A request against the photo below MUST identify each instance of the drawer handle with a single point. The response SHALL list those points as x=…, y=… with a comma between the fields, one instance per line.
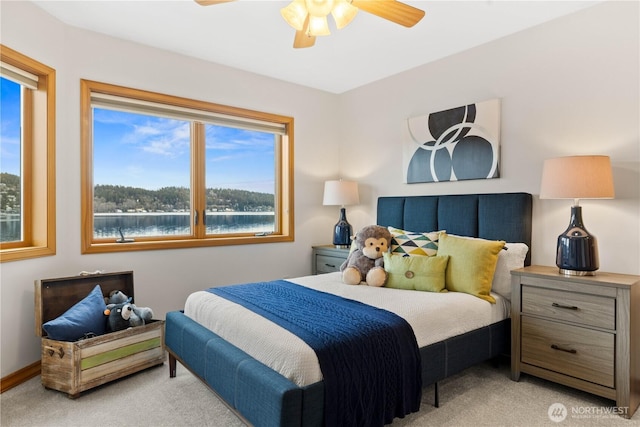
x=568, y=307
x=330, y=265
x=555, y=347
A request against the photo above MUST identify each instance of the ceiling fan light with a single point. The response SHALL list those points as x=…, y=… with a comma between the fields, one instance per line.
x=319, y=7
x=318, y=26
x=343, y=13
x=295, y=14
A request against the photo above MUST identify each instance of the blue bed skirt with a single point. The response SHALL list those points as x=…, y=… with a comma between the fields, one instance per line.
x=263, y=397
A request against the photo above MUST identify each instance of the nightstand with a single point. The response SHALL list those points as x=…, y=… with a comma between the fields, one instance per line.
x=327, y=259
x=583, y=332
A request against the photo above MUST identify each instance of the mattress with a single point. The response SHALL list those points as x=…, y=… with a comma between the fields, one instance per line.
x=433, y=317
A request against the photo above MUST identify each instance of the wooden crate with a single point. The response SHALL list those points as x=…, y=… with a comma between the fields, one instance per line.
x=73, y=367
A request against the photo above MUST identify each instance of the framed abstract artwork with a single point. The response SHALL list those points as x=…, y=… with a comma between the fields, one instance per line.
x=453, y=145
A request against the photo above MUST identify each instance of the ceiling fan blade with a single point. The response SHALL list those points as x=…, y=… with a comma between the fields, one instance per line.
x=210, y=2
x=303, y=39
x=391, y=10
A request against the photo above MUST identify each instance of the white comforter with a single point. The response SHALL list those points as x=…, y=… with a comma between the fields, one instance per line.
x=433, y=317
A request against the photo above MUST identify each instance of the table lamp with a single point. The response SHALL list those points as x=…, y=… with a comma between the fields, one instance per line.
x=341, y=193
x=577, y=177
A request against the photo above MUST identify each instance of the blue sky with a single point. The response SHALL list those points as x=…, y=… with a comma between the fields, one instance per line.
x=153, y=152
x=9, y=127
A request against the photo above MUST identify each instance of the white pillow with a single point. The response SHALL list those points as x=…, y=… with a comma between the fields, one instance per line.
x=511, y=257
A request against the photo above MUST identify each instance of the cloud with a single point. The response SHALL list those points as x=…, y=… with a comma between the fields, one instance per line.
x=160, y=148
x=225, y=138
x=150, y=134
x=164, y=137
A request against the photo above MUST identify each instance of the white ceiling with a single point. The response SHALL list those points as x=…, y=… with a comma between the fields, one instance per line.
x=251, y=35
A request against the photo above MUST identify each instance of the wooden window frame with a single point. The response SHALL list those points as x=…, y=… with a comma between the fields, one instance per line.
x=38, y=162
x=284, y=176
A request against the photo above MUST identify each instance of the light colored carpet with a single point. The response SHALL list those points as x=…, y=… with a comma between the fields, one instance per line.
x=480, y=396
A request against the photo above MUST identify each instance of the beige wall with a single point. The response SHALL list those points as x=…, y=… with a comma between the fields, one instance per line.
x=567, y=87
x=163, y=279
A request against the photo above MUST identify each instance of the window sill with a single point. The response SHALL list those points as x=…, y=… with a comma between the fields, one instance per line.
x=17, y=254
x=142, y=245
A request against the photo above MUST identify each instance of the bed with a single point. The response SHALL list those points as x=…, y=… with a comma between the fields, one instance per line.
x=272, y=396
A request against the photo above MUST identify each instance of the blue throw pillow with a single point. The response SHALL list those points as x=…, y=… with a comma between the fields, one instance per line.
x=84, y=317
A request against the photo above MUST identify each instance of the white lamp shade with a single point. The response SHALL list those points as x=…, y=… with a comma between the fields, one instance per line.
x=340, y=193
x=577, y=177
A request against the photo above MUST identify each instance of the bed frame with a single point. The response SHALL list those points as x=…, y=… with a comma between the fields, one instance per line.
x=261, y=396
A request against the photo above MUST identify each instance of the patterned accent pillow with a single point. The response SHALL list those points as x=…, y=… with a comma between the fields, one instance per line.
x=409, y=243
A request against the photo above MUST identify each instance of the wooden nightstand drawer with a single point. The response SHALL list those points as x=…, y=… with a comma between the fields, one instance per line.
x=592, y=310
x=327, y=259
x=572, y=350
x=328, y=264
x=588, y=340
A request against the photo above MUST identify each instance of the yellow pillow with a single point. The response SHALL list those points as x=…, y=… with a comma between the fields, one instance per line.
x=420, y=273
x=472, y=263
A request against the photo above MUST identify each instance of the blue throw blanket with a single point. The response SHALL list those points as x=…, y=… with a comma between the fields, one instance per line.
x=368, y=356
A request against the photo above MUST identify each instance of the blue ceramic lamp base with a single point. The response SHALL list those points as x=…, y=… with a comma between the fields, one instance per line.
x=342, y=231
x=577, y=251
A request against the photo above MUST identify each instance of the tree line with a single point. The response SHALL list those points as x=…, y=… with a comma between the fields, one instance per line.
x=118, y=198
x=9, y=192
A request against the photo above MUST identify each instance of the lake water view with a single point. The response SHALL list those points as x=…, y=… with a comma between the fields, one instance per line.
x=163, y=224
x=10, y=227
x=157, y=224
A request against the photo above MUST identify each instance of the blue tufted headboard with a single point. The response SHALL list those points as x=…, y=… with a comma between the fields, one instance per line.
x=498, y=216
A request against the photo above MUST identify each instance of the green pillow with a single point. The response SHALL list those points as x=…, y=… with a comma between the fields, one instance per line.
x=472, y=263
x=420, y=273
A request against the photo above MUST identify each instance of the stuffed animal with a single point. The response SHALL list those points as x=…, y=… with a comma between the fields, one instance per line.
x=140, y=315
x=137, y=316
x=366, y=263
x=116, y=297
x=118, y=316
x=125, y=315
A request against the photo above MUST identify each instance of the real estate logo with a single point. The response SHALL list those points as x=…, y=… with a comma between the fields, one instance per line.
x=557, y=412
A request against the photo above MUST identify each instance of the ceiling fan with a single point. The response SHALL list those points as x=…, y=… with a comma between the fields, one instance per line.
x=309, y=17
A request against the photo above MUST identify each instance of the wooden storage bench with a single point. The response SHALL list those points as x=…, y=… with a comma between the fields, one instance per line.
x=73, y=367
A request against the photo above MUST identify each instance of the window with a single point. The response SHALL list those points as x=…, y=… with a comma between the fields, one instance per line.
x=27, y=147
x=162, y=172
